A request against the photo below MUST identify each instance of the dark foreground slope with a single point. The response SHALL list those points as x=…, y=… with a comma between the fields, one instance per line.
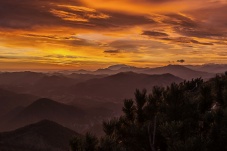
x=42, y=136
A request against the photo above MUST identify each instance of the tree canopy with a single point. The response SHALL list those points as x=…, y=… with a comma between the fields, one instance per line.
x=189, y=116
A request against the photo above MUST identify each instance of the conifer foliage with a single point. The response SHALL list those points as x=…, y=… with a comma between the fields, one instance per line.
x=190, y=116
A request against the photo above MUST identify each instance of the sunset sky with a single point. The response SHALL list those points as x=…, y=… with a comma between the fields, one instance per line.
x=91, y=34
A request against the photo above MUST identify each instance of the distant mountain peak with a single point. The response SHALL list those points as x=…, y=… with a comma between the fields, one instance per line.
x=174, y=65
x=44, y=101
x=118, y=66
x=45, y=123
x=124, y=74
x=45, y=105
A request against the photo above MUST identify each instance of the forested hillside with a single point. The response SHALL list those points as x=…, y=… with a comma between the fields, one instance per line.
x=190, y=116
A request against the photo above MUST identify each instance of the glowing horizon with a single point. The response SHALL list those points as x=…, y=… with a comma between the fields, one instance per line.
x=84, y=34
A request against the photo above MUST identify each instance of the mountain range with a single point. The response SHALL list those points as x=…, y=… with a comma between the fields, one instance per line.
x=63, y=86
x=78, y=100
x=186, y=72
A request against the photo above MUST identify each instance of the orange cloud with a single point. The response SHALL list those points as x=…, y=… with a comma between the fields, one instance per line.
x=92, y=34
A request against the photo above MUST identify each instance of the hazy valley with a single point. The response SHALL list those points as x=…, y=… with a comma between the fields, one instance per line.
x=79, y=101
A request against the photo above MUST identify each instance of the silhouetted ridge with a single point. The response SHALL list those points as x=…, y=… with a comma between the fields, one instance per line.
x=125, y=74
x=10, y=100
x=212, y=68
x=179, y=71
x=46, y=109
x=119, y=66
x=50, y=109
x=130, y=74
x=44, y=101
x=120, y=85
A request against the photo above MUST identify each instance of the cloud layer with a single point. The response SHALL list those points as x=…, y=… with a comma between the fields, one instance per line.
x=93, y=34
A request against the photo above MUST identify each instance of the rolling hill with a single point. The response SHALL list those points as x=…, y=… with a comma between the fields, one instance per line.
x=121, y=85
x=46, y=109
x=10, y=100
